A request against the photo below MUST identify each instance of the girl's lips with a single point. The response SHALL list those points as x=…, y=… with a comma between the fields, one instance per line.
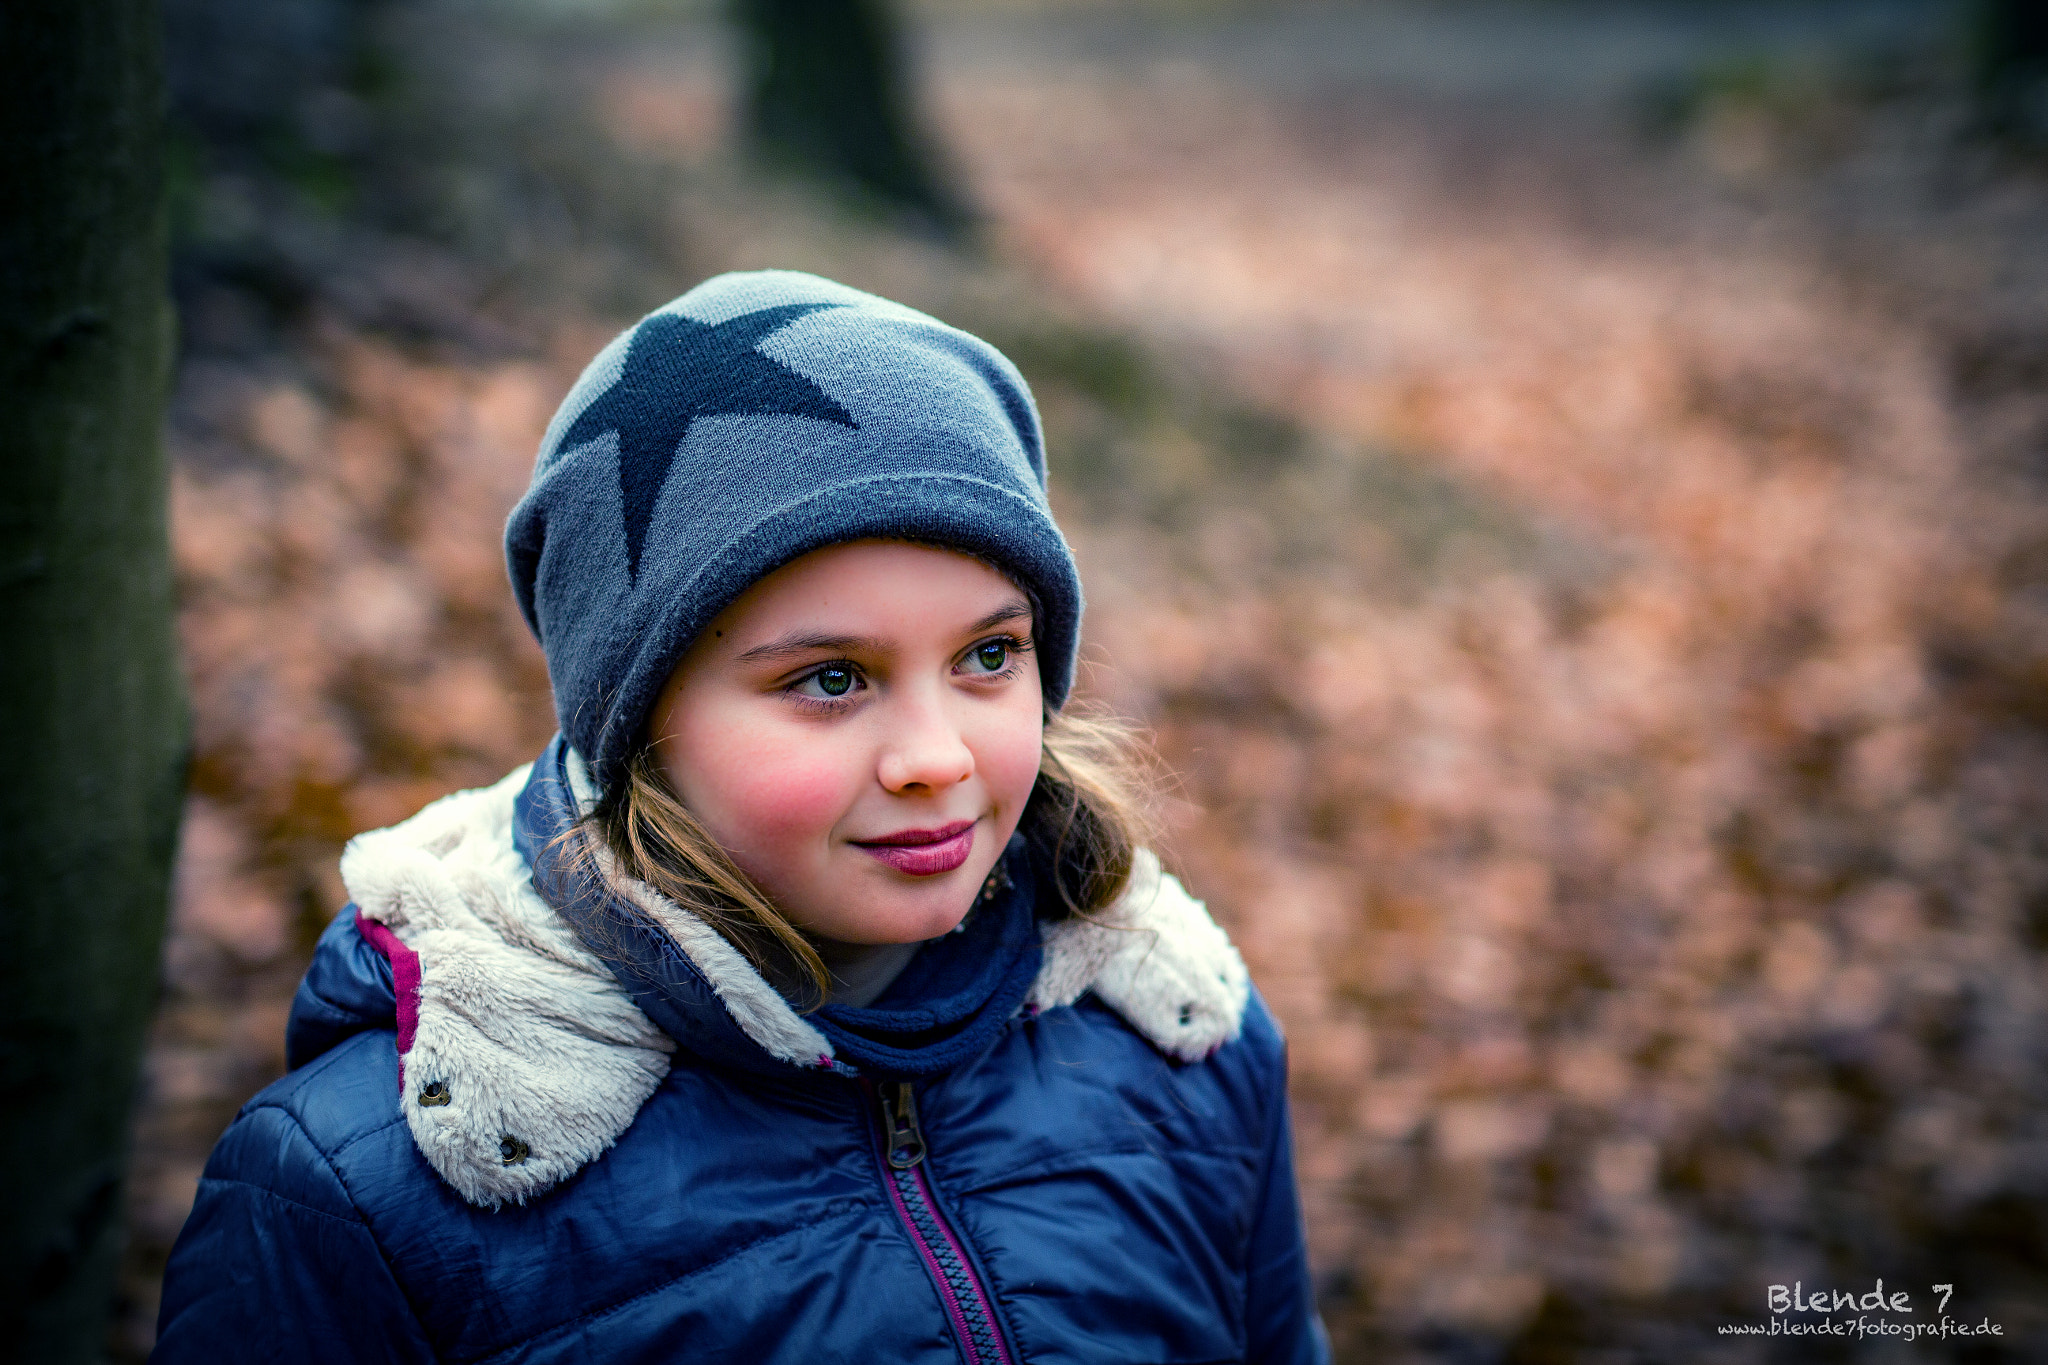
x=923, y=852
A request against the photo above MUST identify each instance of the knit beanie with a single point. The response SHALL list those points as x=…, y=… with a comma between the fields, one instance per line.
x=757, y=418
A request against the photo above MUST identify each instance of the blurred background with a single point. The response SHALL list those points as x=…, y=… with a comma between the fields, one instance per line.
x=1566, y=483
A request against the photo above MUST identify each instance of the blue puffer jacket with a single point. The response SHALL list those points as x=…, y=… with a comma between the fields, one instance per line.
x=499, y=1144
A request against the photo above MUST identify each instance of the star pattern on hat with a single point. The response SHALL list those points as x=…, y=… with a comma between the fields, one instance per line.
x=677, y=370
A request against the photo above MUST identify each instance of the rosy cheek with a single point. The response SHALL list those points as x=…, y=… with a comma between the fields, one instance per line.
x=764, y=791
x=1008, y=755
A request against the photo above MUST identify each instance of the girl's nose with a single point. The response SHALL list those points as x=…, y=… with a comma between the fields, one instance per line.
x=924, y=751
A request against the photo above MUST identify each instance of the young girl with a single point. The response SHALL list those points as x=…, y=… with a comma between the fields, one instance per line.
x=812, y=996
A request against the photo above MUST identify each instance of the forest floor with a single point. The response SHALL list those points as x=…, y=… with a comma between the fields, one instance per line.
x=1567, y=486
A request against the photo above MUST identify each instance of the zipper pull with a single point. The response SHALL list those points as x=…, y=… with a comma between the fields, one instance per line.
x=899, y=1116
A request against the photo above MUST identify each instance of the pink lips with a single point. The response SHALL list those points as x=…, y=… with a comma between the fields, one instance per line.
x=923, y=852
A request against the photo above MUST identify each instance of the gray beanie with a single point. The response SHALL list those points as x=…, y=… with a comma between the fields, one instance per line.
x=757, y=418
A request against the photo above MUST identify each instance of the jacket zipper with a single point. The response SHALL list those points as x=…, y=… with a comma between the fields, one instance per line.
x=903, y=1152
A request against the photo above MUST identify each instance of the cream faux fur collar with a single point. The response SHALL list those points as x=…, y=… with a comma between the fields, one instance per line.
x=522, y=1058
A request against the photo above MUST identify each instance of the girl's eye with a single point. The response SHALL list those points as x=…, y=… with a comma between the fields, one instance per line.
x=833, y=680
x=993, y=656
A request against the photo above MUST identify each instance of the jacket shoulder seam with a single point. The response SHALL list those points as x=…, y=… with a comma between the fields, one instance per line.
x=300, y=1204
x=329, y=1012
x=328, y=1155
x=342, y=1146
x=327, y=1158
x=353, y=1138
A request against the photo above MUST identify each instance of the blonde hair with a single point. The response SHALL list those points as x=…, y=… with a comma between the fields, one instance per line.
x=1089, y=813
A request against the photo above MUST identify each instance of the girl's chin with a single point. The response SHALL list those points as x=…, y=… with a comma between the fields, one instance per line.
x=874, y=926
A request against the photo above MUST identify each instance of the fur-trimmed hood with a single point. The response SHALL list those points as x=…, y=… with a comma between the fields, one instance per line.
x=524, y=1055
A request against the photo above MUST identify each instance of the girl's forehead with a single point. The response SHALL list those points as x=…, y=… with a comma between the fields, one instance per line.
x=882, y=584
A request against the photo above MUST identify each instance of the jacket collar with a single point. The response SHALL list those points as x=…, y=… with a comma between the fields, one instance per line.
x=954, y=998
x=525, y=1052
x=681, y=972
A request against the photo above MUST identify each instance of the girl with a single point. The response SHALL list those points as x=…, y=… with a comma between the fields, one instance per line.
x=812, y=997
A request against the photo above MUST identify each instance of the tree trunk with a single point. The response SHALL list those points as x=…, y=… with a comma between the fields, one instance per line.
x=828, y=92
x=2012, y=38
x=2011, y=61
x=89, y=682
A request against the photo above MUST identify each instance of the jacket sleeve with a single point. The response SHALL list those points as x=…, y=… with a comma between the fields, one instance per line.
x=276, y=1263
x=1281, y=1325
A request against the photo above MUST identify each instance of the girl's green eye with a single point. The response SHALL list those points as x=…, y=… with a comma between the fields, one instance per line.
x=992, y=655
x=834, y=682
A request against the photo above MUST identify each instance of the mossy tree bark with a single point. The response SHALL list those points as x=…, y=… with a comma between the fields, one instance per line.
x=829, y=92
x=89, y=681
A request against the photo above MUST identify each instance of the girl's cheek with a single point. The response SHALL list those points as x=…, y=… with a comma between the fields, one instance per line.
x=1009, y=755
x=765, y=792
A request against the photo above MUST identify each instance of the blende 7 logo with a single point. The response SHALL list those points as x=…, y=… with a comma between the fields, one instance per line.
x=1782, y=1300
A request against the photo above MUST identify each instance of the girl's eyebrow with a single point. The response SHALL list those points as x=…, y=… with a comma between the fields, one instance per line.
x=1017, y=609
x=808, y=644
x=813, y=642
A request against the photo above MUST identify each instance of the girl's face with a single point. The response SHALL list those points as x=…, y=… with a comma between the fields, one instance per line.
x=861, y=730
